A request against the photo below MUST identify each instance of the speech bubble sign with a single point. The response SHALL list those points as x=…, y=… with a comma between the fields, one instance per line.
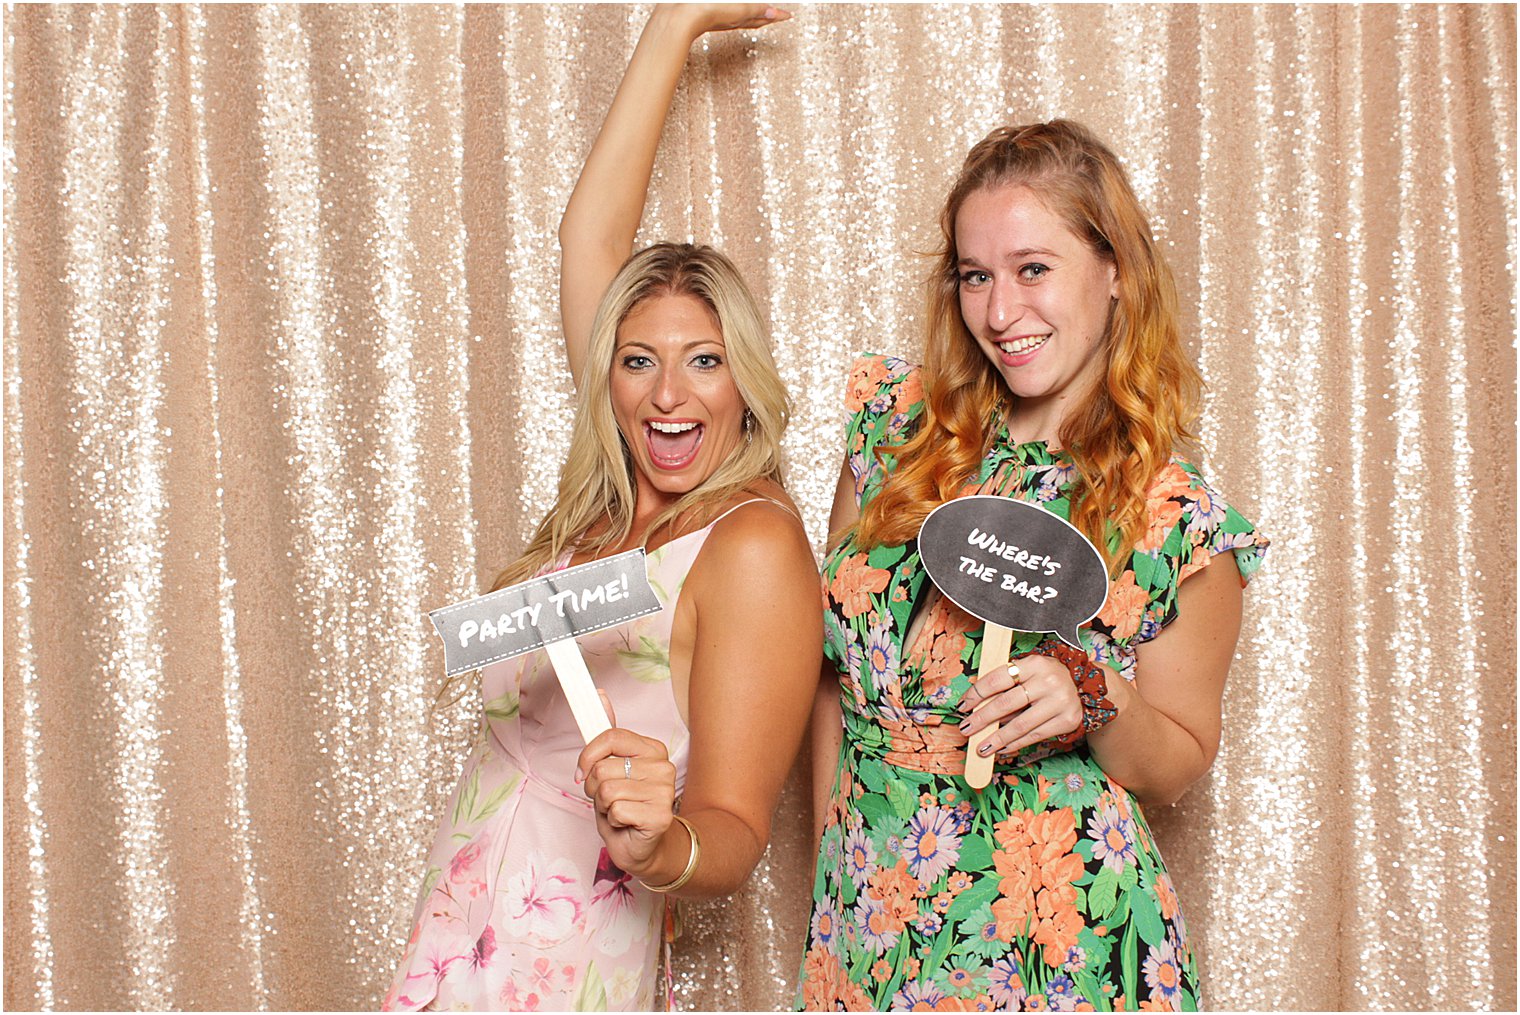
x=566, y=604
x=1014, y=564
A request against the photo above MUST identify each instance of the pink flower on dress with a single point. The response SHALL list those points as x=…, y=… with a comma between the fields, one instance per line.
x=544, y=901
x=480, y=956
x=613, y=912
x=467, y=859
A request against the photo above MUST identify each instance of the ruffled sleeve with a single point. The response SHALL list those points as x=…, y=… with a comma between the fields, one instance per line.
x=884, y=397
x=1188, y=524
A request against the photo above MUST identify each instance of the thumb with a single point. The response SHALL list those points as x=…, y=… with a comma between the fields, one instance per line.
x=607, y=704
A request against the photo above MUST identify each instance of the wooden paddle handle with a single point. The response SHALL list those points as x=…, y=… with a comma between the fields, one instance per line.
x=580, y=690
x=997, y=643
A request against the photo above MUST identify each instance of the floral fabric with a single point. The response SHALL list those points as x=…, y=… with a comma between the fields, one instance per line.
x=1046, y=890
x=520, y=908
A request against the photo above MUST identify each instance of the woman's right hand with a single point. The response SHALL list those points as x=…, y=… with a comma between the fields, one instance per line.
x=1034, y=700
x=699, y=19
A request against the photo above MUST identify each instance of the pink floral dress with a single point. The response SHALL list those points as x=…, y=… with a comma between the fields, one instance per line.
x=521, y=909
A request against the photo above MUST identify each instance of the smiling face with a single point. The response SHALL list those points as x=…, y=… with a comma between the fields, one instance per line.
x=1036, y=298
x=674, y=397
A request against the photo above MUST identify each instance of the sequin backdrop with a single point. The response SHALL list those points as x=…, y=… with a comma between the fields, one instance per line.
x=282, y=370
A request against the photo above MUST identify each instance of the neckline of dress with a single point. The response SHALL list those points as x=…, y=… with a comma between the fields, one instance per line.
x=673, y=539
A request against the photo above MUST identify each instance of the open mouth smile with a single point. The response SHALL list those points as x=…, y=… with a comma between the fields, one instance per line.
x=672, y=443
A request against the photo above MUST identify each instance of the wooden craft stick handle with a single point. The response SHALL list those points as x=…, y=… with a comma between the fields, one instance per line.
x=580, y=690
x=997, y=643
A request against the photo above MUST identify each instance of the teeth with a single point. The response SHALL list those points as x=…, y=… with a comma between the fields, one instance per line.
x=1024, y=344
x=664, y=427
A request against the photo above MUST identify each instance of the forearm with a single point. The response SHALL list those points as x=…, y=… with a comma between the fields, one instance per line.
x=608, y=199
x=1146, y=751
x=730, y=848
x=827, y=733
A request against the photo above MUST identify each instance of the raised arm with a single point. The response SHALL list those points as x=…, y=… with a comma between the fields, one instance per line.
x=596, y=233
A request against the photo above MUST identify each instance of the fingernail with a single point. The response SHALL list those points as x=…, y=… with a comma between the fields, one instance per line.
x=985, y=749
x=965, y=727
x=579, y=777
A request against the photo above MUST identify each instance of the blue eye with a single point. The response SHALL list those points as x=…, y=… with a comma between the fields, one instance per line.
x=1031, y=272
x=636, y=362
x=975, y=278
x=707, y=361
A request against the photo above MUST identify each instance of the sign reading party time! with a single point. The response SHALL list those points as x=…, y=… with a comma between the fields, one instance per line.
x=1014, y=564
x=550, y=613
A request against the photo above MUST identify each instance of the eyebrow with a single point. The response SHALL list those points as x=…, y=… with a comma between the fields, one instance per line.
x=1014, y=255
x=688, y=347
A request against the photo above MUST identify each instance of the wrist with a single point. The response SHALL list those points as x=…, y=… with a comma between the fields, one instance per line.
x=674, y=20
x=671, y=874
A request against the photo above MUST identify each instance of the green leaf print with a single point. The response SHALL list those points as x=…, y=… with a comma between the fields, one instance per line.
x=1087, y=986
x=1129, y=877
x=1128, y=960
x=976, y=855
x=493, y=803
x=903, y=800
x=1147, y=917
x=466, y=799
x=431, y=878
x=1103, y=893
x=1144, y=567
x=502, y=708
x=871, y=776
x=650, y=662
x=985, y=890
x=942, y=942
x=592, y=995
x=874, y=809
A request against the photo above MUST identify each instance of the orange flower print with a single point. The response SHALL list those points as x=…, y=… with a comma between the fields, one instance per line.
x=821, y=975
x=910, y=390
x=1166, y=895
x=855, y=582
x=866, y=376
x=1013, y=831
x=881, y=972
x=1125, y=607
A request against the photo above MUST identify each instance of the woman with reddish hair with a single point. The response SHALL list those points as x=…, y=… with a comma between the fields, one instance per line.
x=1053, y=373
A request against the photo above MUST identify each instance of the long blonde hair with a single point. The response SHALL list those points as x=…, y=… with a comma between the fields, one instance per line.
x=1126, y=429
x=596, y=483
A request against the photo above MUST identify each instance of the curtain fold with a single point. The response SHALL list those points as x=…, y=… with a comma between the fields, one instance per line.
x=282, y=372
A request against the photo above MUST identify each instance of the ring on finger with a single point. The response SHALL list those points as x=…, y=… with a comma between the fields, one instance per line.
x=627, y=768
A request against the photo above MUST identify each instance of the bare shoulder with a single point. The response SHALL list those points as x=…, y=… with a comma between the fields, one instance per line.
x=757, y=542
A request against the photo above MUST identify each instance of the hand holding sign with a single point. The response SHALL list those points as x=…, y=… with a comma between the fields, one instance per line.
x=550, y=612
x=1017, y=567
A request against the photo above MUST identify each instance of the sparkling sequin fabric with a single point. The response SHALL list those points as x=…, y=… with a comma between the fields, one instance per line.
x=282, y=371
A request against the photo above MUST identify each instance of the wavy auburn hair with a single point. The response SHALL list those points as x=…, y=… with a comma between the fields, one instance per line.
x=595, y=507
x=1123, y=433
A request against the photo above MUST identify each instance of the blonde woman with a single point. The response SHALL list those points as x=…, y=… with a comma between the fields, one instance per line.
x=547, y=883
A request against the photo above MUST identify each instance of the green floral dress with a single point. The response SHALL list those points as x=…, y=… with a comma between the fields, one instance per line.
x=1046, y=890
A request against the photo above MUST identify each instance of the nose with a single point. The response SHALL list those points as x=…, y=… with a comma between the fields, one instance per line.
x=1004, y=305
x=669, y=389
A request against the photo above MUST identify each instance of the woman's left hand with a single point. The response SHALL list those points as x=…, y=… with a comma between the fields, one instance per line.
x=632, y=785
x=1037, y=703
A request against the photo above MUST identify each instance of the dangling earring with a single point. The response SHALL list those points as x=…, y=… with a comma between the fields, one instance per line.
x=749, y=427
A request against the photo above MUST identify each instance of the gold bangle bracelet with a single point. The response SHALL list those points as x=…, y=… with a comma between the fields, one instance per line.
x=691, y=861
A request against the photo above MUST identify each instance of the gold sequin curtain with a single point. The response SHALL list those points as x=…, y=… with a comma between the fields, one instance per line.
x=282, y=371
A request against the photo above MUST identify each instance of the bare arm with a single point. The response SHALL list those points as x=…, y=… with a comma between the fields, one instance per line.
x=753, y=669
x=827, y=733
x=1167, y=731
x=602, y=216
x=1168, y=728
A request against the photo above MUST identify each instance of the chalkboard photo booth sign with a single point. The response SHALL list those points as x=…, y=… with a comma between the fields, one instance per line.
x=1016, y=567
